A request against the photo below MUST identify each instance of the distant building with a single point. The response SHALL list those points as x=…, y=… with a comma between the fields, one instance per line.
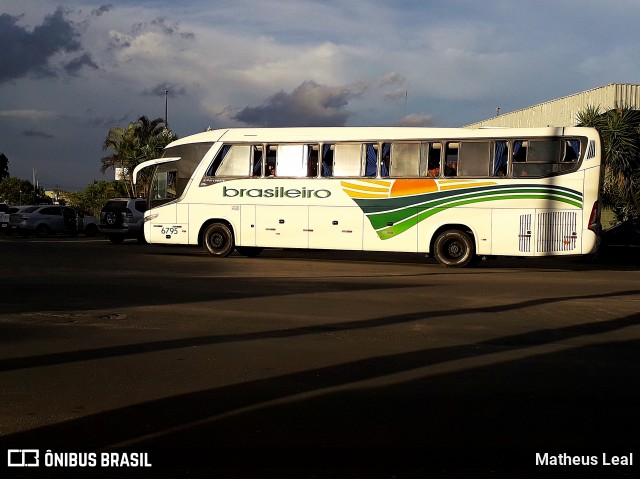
x=564, y=111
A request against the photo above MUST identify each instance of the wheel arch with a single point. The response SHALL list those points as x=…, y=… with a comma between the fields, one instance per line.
x=211, y=221
x=451, y=226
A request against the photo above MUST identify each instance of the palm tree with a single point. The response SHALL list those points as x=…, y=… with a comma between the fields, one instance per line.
x=620, y=132
x=140, y=141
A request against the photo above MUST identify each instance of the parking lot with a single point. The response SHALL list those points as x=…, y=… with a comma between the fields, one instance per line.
x=316, y=363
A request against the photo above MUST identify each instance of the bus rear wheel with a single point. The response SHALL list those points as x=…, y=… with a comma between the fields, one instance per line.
x=218, y=240
x=454, y=248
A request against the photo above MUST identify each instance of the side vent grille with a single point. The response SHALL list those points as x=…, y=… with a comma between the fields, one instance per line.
x=525, y=234
x=557, y=231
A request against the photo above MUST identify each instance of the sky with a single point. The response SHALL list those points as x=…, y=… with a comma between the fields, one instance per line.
x=71, y=70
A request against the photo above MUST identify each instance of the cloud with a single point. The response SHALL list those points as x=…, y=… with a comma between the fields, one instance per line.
x=28, y=53
x=416, y=120
x=101, y=10
x=29, y=115
x=310, y=104
x=75, y=65
x=174, y=91
x=37, y=134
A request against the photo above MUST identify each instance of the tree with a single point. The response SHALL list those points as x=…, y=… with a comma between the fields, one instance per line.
x=18, y=192
x=4, y=166
x=140, y=141
x=620, y=132
x=95, y=195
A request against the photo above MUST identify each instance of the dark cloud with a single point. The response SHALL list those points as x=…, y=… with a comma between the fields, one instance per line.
x=36, y=134
x=25, y=52
x=309, y=104
x=101, y=10
x=166, y=28
x=74, y=66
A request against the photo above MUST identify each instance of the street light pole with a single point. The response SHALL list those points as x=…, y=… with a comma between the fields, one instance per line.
x=166, y=104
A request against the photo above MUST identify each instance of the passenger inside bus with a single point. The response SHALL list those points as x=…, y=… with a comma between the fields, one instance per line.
x=434, y=170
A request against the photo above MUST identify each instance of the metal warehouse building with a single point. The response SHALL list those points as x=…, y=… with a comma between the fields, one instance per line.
x=563, y=111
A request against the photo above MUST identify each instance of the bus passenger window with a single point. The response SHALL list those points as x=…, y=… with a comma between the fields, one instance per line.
x=500, y=158
x=270, y=170
x=571, y=151
x=385, y=166
x=430, y=160
x=347, y=159
x=232, y=161
x=371, y=160
x=257, y=160
x=543, y=158
x=312, y=161
x=292, y=160
x=327, y=160
x=405, y=160
x=451, y=160
x=474, y=158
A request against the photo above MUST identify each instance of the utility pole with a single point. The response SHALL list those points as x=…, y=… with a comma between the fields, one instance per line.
x=166, y=105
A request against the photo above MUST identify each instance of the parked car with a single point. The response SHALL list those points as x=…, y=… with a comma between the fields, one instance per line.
x=122, y=218
x=50, y=219
x=623, y=238
x=5, y=227
x=88, y=224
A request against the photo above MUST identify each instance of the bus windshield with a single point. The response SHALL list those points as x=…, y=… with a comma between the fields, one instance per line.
x=170, y=179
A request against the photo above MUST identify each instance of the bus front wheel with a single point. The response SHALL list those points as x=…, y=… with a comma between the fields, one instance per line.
x=218, y=240
x=454, y=248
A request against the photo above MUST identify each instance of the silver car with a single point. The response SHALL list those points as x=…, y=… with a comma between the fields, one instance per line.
x=50, y=219
x=5, y=227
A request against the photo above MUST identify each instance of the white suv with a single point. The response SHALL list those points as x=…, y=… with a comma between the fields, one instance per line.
x=122, y=218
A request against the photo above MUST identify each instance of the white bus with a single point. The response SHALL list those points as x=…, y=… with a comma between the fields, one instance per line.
x=455, y=194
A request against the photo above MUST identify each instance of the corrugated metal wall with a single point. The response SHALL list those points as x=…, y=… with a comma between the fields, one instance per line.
x=563, y=111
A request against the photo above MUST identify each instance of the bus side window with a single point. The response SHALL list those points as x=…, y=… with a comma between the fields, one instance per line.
x=430, y=160
x=385, y=165
x=371, y=160
x=232, y=161
x=292, y=160
x=257, y=160
x=312, y=161
x=405, y=160
x=500, y=157
x=451, y=160
x=215, y=164
x=270, y=170
x=327, y=160
x=474, y=158
x=543, y=157
x=347, y=159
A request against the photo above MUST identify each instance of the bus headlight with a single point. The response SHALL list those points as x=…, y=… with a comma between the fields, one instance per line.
x=150, y=217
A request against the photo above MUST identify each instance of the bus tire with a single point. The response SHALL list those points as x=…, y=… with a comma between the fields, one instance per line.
x=218, y=240
x=454, y=248
x=250, y=251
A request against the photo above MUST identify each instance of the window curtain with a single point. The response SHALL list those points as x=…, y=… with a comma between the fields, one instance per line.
x=500, y=159
x=327, y=169
x=384, y=169
x=372, y=161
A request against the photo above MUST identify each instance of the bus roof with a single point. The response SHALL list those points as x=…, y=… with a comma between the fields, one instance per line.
x=330, y=134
